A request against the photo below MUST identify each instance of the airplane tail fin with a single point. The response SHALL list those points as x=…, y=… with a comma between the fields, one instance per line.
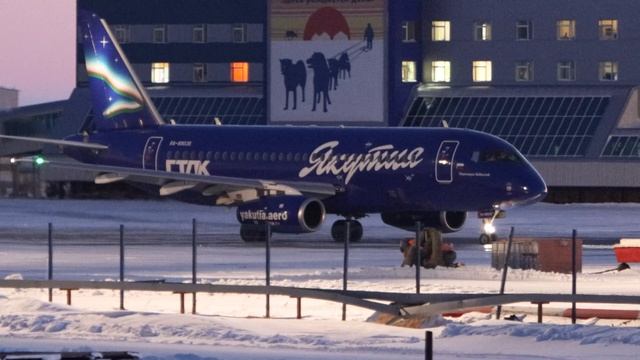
x=118, y=97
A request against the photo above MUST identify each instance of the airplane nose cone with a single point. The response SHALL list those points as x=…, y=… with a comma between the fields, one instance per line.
x=534, y=190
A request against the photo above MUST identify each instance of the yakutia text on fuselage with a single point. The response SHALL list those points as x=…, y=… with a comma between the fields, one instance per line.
x=324, y=161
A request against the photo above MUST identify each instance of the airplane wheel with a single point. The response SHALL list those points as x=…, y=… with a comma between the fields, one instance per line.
x=339, y=230
x=253, y=233
x=487, y=239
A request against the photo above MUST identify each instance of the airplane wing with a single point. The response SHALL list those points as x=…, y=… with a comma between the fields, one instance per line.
x=228, y=190
x=80, y=144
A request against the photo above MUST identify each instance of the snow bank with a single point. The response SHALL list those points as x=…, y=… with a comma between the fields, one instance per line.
x=582, y=334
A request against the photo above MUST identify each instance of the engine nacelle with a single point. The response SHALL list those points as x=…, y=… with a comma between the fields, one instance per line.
x=286, y=214
x=445, y=221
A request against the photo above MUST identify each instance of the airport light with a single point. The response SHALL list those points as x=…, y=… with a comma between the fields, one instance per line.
x=489, y=229
x=38, y=160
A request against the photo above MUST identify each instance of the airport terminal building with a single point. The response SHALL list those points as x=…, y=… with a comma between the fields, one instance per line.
x=555, y=78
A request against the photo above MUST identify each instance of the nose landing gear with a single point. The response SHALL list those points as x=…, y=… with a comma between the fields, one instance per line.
x=488, y=234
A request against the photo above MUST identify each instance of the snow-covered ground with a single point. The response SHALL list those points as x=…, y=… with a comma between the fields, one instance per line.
x=158, y=236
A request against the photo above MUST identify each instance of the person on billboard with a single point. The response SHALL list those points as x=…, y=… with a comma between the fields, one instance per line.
x=368, y=36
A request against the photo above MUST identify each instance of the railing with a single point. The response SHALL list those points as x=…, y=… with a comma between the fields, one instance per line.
x=401, y=304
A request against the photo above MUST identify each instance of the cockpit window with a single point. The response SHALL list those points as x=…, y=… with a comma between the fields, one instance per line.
x=499, y=156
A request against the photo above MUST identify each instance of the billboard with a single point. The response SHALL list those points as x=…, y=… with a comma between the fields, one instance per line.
x=327, y=61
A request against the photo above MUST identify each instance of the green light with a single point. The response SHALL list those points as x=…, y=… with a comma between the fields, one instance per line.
x=38, y=160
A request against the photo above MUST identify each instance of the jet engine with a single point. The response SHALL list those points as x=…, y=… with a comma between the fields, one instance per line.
x=445, y=221
x=285, y=214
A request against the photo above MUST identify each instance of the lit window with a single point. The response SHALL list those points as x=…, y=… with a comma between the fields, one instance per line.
x=441, y=71
x=566, y=71
x=160, y=73
x=200, y=33
x=240, y=72
x=409, y=71
x=481, y=71
x=408, y=31
x=566, y=29
x=608, y=29
x=608, y=71
x=524, y=30
x=239, y=33
x=160, y=34
x=199, y=73
x=482, y=31
x=440, y=31
x=524, y=71
x=121, y=32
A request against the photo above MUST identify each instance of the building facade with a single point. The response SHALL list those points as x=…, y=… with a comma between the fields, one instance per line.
x=8, y=98
x=555, y=78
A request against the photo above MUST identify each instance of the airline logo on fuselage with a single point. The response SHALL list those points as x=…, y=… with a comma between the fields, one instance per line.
x=262, y=215
x=187, y=166
x=325, y=160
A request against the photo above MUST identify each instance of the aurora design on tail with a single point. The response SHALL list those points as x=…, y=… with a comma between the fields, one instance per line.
x=119, y=99
x=130, y=99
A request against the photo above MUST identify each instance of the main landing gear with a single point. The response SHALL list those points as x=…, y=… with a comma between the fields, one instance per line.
x=253, y=233
x=339, y=230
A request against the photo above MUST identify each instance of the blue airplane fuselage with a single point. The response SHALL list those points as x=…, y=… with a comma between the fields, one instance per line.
x=376, y=169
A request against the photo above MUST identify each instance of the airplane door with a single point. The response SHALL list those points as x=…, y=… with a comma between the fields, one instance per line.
x=150, y=155
x=444, y=161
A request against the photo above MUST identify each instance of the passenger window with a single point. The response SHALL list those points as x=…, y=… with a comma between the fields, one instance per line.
x=177, y=156
x=265, y=156
x=475, y=156
x=193, y=155
x=305, y=157
x=216, y=156
x=274, y=157
x=169, y=154
x=289, y=157
x=232, y=156
x=201, y=155
x=185, y=155
x=281, y=157
x=297, y=157
x=241, y=156
x=209, y=155
x=225, y=156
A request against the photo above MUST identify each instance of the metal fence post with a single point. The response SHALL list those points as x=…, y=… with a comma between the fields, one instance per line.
x=50, y=264
x=428, y=351
x=121, y=265
x=194, y=262
x=505, y=267
x=574, y=277
x=418, y=259
x=345, y=264
x=268, y=267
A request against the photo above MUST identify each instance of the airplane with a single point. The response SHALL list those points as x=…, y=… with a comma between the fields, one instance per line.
x=290, y=176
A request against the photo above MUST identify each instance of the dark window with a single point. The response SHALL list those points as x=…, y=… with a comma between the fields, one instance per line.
x=408, y=31
x=499, y=156
x=524, y=30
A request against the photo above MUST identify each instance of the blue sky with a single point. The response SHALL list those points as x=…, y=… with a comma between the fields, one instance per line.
x=37, y=48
